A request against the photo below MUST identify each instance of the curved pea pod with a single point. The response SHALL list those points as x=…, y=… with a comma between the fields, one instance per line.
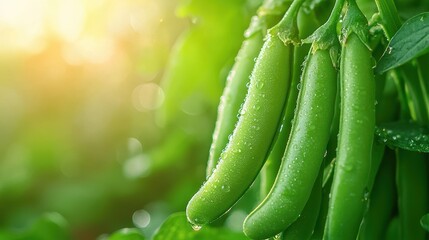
x=356, y=133
x=306, y=24
x=238, y=79
x=304, y=152
x=393, y=229
x=303, y=227
x=323, y=211
x=233, y=97
x=381, y=201
x=248, y=147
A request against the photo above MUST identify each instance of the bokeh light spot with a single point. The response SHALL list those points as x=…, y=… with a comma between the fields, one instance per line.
x=141, y=218
x=147, y=97
x=137, y=166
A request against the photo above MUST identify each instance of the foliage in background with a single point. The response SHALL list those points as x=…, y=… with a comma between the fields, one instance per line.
x=107, y=118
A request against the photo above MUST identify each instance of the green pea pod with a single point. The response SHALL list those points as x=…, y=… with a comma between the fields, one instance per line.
x=323, y=211
x=306, y=25
x=303, y=227
x=381, y=198
x=299, y=167
x=412, y=187
x=328, y=165
x=248, y=146
x=381, y=203
x=233, y=96
x=392, y=232
x=236, y=87
x=356, y=133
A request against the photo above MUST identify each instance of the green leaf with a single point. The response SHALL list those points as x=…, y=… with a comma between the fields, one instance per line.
x=50, y=226
x=127, y=234
x=410, y=41
x=406, y=135
x=424, y=221
x=176, y=227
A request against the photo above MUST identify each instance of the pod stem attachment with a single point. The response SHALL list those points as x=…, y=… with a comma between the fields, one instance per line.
x=287, y=29
x=325, y=37
x=356, y=22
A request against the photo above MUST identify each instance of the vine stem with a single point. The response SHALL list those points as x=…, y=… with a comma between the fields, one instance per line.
x=389, y=16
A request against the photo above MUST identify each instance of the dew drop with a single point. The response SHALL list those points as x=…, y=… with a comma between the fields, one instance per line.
x=196, y=227
x=278, y=236
x=229, y=137
x=259, y=84
x=226, y=188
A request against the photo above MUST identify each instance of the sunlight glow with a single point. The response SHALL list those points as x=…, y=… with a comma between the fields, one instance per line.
x=22, y=24
x=70, y=19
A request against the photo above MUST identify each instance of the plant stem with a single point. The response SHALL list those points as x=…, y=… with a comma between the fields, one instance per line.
x=389, y=16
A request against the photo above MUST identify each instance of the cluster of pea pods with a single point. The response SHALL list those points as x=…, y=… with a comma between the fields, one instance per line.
x=305, y=95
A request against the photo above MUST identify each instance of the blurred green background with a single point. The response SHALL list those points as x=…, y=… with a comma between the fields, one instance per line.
x=107, y=109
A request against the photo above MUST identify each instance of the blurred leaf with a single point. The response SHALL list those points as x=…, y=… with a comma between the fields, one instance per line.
x=50, y=226
x=411, y=40
x=176, y=227
x=127, y=234
x=406, y=135
x=203, y=8
x=424, y=221
x=193, y=79
x=6, y=235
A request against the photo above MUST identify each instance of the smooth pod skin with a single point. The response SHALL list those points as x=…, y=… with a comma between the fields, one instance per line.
x=272, y=165
x=248, y=146
x=306, y=24
x=303, y=227
x=382, y=201
x=393, y=230
x=304, y=152
x=323, y=211
x=356, y=133
x=233, y=96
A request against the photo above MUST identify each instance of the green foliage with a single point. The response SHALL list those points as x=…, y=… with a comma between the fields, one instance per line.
x=406, y=135
x=409, y=42
x=127, y=234
x=107, y=116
